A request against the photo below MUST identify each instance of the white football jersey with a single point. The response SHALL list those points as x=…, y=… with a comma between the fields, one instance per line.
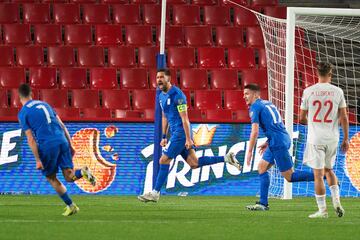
x=323, y=101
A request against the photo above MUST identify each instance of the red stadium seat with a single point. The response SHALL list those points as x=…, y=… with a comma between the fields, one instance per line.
x=204, y=2
x=108, y=35
x=68, y=113
x=198, y=36
x=115, y=1
x=181, y=57
x=3, y=99
x=116, y=99
x=193, y=79
x=207, y=99
x=172, y=2
x=234, y=100
x=9, y=112
x=98, y=113
x=195, y=115
x=61, y=56
x=254, y=37
x=96, y=13
x=57, y=98
x=83, y=1
x=224, y=79
x=217, y=15
x=9, y=13
x=67, y=13
x=255, y=76
x=275, y=11
x=103, y=78
x=242, y=116
x=85, y=98
x=72, y=78
x=218, y=115
x=149, y=114
x=256, y=3
x=133, y=78
x=229, y=37
x=126, y=14
x=42, y=78
x=305, y=58
x=241, y=58
x=47, y=34
x=78, y=35
x=54, y=1
x=152, y=14
x=138, y=35
x=211, y=57
x=36, y=12
x=30, y=56
x=262, y=58
x=11, y=77
x=15, y=100
x=143, y=1
x=17, y=34
x=91, y=56
x=147, y=56
x=226, y=3
x=244, y=17
x=121, y=56
x=153, y=81
x=186, y=15
x=143, y=99
x=174, y=36
x=130, y=114
x=7, y=56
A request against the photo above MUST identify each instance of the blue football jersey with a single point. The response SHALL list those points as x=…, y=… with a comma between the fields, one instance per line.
x=173, y=102
x=41, y=119
x=269, y=119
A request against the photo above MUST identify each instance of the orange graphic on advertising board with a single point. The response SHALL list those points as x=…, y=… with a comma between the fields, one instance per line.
x=203, y=135
x=353, y=161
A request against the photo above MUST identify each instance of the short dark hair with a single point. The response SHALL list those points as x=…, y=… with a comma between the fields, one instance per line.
x=24, y=90
x=253, y=87
x=324, y=68
x=165, y=71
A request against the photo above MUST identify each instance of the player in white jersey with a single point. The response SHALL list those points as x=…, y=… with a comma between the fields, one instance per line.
x=322, y=107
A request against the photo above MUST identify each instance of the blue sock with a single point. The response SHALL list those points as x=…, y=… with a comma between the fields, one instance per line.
x=264, y=188
x=67, y=200
x=209, y=160
x=302, y=176
x=162, y=175
x=78, y=174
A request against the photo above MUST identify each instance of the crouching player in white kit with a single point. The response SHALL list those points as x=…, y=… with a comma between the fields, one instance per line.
x=322, y=106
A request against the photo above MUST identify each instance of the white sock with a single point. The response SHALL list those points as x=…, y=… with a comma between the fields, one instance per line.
x=321, y=202
x=335, y=194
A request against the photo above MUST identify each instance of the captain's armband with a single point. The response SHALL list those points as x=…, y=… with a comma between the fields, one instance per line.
x=182, y=108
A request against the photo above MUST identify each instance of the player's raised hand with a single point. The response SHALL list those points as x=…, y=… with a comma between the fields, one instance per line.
x=189, y=143
x=263, y=147
x=163, y=142
x=249, y=158
x=39, y=165
x=344, y=146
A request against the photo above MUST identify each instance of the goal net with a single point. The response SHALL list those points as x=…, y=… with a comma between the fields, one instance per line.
x=323, y=35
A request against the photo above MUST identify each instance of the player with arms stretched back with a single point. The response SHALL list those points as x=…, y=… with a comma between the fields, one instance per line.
x=322, y=106
x=265, y=115
x=50, y=143
x=174, y=117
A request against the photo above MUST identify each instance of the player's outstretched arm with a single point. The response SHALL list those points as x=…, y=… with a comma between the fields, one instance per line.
x=186, y=125
x=165, y=127
x=344, y=121
x=34, y=148
x=253, y=137
x=303, y=116
x=67, y=134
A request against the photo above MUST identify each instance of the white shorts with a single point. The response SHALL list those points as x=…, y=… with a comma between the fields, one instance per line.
x=320, y=156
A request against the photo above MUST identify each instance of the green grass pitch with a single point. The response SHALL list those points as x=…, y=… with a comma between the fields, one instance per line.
x=115, y=217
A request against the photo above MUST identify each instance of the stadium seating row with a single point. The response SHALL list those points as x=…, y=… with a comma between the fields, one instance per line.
x=178, y=57
x=129, y=78
x=64, y=13
x=112, y=35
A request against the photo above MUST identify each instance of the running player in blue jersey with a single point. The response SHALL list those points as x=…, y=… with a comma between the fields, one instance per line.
x=265, y=115
x=174, y=114
x=50, y=143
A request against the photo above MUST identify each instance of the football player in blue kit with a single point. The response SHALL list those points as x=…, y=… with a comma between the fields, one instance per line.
x=265, y=115
x=174, y=114
x=50, y=143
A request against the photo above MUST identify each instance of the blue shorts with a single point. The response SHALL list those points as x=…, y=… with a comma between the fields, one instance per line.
x=280, y=156
x=176, y=146
x=54, y=157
